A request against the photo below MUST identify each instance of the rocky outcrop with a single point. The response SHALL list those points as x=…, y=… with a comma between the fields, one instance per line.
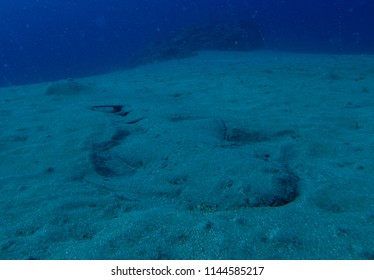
x=227, y=36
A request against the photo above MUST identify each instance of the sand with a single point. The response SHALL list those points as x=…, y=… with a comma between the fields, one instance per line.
x=225, y=155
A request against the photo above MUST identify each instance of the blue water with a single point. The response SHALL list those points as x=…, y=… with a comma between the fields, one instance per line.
x=44, y=40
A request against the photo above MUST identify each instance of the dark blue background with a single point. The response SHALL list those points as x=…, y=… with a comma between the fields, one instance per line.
x=46, y=40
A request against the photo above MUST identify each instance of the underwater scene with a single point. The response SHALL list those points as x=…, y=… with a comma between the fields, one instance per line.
x=186, y=130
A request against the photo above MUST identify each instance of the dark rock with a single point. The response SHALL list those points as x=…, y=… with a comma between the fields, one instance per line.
x=67, y=87
x=226, y=36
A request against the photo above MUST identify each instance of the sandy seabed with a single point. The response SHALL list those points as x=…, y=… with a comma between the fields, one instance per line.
x=259, y=155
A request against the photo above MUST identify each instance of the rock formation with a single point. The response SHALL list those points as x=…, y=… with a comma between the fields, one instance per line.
x=226, y=36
